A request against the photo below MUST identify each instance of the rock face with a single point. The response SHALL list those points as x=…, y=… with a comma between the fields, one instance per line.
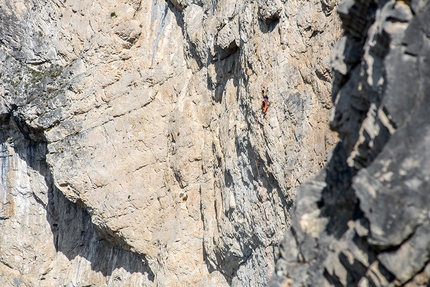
x=364, y=220
x=133, y=148
x=46, y=240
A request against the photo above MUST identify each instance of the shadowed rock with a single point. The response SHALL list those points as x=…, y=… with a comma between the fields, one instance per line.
x=381, y=114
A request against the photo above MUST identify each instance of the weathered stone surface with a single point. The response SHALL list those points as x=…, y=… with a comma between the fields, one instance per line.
x=270, y=10
x=411, y=256
x=381, y=113
x=146, y=116
x=228, y=38
x=47, y=240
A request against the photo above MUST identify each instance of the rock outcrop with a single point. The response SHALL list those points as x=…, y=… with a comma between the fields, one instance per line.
x=134, y=151
x=364, y=219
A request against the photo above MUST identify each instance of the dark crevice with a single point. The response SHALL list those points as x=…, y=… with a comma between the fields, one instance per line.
x=332, y=279
x=338, y=197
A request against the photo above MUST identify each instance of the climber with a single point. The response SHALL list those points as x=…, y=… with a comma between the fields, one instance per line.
x=265, y=102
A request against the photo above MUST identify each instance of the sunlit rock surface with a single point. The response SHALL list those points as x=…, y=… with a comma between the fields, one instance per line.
x=133, y=147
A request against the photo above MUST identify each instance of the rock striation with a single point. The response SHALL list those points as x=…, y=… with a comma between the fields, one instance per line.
x=133, y=148
x=364, y=219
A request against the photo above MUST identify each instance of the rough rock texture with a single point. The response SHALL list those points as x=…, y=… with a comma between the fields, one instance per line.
x=47, y=240
x=364, y=220
x=133, y=148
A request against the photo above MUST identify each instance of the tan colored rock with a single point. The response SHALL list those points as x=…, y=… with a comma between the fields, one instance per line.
x=150, y=112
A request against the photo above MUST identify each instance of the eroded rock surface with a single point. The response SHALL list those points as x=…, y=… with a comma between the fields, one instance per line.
x=134, y=150
x=364, y=220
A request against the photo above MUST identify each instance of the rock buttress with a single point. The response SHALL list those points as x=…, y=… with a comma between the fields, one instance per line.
x=362, y=221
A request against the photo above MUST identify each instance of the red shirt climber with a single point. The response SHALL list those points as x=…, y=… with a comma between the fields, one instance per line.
x=265, y=103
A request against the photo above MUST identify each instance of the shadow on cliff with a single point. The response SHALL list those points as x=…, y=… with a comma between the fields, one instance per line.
x=73, y=233
x=224, y=61
x=268, y=26
x=228, y=74
x=338, y=201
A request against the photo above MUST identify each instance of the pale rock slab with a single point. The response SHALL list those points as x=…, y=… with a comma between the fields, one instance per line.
x=146, y=116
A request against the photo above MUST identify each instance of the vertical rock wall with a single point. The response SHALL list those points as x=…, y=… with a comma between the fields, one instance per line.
x=364, y=220
x=47, y=240
x=133, y=144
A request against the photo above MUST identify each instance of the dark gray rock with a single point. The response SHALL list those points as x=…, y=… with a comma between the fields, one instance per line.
x=414, y=35
x=408, y=259
x=364, y=220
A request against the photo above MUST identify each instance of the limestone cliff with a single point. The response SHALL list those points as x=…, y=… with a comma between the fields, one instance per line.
x=133, y=148
x=364, y=220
